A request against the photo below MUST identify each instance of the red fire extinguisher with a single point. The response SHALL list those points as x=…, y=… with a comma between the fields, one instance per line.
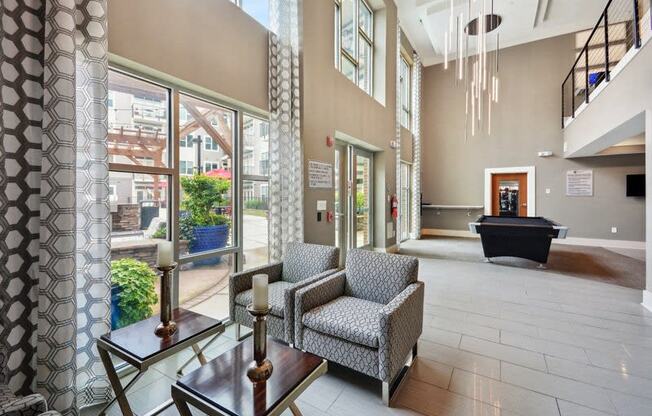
x=394, y=204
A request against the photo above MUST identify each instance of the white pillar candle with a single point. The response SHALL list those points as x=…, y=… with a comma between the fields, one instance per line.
x=164, y=256
x=260, y=284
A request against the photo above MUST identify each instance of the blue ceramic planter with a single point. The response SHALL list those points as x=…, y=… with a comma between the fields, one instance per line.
x=116, y=312
x=209, y=238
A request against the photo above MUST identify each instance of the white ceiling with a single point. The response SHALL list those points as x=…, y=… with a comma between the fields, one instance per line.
x=425, y=21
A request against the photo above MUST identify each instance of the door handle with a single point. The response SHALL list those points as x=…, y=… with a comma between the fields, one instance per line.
x=524, y=204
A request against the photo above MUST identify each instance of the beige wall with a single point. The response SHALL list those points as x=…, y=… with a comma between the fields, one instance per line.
x=526, y=121
x=333, y=104
x=211, y=44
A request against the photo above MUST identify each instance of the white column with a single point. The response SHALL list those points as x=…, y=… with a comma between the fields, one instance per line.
x=647, y=293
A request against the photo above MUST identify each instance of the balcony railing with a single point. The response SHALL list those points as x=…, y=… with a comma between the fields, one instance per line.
x=619, y=29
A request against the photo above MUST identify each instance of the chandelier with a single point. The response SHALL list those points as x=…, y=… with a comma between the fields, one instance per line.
x=476, y=70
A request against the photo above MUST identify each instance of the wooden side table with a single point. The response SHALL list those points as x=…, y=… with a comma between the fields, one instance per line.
x=221, y=387
x=137, y=345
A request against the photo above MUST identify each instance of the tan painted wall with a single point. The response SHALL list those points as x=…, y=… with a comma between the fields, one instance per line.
x=526, y=121
x=209, y=43
x=334, y=104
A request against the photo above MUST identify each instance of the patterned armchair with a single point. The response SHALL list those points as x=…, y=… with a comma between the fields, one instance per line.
x=303, y=264
x=367, y=317
x=10, y=405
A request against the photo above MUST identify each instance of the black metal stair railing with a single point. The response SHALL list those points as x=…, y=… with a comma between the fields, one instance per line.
x=618, y=30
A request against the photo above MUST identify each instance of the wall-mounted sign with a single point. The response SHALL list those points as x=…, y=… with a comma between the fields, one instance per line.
x=320, y=175
x=579, y=183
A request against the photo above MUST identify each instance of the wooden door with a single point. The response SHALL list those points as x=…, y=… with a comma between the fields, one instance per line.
x=509, y=194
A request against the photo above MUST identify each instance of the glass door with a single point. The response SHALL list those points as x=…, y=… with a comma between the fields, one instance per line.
x=353, y=198
x=406, y=200
x=341, y=200
x=362, y=201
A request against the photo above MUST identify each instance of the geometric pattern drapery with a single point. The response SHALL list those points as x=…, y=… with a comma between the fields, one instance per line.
x=286, y=162
x=54, y=216
x=415, y=227
x=399, y=107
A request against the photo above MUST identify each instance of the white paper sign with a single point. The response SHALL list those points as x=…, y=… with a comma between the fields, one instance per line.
x=320, y=174
x=579, y=183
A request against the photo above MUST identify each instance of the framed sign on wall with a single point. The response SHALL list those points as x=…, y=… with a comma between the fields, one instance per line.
x=320, y=175
x=579, y=183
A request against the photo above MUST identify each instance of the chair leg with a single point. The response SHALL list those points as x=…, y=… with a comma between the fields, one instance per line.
x=237, y=332
x=386, y=397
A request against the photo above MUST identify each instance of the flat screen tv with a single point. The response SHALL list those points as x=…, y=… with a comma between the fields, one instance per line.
x=635, y=185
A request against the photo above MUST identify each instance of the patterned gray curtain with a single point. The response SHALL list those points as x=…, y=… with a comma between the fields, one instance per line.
x=415, y=227
x=397, y=229
x=286, y=162
x=54, y=215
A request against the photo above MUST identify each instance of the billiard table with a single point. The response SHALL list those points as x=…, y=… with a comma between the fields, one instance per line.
x=524, y=237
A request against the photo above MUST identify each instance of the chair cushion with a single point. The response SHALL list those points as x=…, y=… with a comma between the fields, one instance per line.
x=378, y=277
x=351, y=319
x=302, y=261
x=276, y=297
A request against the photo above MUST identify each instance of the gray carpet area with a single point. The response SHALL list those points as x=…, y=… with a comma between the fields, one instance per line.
x=619, y=267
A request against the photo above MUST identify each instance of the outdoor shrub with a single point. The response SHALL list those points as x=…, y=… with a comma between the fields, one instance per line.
x=137, y=283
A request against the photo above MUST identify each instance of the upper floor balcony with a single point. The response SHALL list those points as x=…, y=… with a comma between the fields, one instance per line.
x=602, y=52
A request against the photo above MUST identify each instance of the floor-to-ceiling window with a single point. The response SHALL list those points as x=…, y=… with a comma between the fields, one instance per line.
x=139, y=192
x=255, y=191
x=199, y=178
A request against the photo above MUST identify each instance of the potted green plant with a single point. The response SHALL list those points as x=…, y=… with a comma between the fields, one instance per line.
x=133, y=292
x=205, y=229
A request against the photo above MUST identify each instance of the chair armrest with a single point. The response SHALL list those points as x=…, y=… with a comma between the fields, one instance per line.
x=401, y=324
x=314, y=295
x=32, y=405
x=239, y=282
x=289, y=296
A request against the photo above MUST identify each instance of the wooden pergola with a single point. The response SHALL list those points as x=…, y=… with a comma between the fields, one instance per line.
x=138, y=144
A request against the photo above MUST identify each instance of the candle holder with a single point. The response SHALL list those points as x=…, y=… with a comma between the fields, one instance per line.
x=167, y=326
x=261, y=368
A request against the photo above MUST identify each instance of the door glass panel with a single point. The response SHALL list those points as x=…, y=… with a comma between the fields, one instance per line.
x=508, y=194
x=338, y=198
x=406, y=179
x=362, y=200
x=206, y=194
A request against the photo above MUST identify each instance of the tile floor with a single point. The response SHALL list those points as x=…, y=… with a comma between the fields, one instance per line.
x=497, y=340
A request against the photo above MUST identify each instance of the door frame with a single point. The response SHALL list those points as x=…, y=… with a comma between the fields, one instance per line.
x=530, y=171
x=354, y=152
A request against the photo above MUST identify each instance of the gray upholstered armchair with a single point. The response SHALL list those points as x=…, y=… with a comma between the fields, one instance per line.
x=10, y=405
x=302, y=265
x=367, y=317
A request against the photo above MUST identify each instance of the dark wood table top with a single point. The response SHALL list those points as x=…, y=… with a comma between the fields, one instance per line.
x=140, y=341
x=223, y=382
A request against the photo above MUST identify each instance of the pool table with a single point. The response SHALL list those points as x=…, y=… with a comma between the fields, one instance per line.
x=524, y=237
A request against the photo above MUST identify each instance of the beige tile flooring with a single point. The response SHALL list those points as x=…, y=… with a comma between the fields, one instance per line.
x=497, y=340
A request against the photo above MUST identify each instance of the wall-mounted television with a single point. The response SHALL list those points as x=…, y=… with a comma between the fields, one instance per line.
x=636, y=185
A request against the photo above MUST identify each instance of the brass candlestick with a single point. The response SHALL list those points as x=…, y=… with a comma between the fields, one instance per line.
x=261, y=368
x=167, y=326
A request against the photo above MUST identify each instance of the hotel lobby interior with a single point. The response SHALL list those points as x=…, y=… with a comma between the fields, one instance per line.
x=325, y=207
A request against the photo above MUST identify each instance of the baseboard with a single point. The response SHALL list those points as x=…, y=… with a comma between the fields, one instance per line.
x=647, y=300
x=448, y=233
x=601, y=242
x=572, y=241
x=390, y=249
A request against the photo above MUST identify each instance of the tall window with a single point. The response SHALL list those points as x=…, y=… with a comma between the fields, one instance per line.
x=255, y=182
x=406, y=92
x=406, y=200
x=184, y=183
x=354, y=41
x=140, y=173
